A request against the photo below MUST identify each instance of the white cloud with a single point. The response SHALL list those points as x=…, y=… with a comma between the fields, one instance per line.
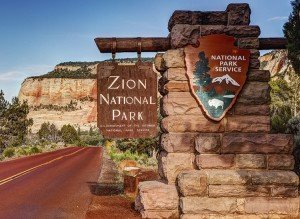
x=278, y=18
x=11, y=76
x=20, y=74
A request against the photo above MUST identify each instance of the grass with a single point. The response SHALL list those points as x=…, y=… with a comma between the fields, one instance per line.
x=20, y=151
x=117, y=155
x=8, y=152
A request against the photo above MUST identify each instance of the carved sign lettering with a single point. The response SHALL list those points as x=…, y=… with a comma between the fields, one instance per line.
x=127, y=100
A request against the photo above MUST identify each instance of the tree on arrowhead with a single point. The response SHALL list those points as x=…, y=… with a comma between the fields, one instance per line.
x=202, y=70
x=291, y=31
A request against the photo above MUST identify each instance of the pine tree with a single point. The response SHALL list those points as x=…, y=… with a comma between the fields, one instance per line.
x=3, y=104
x=91, y=131
x=14, y=124
x=17, y=121
x=3, y=108
x=281, y=111
x=69, y=134
x=44, y=131
x=202, y=70
x=292, y=33
x=54, y=133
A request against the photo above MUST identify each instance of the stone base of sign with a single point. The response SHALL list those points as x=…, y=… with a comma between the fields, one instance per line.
x=157, y=200
x=133, y=177
x=229, y=169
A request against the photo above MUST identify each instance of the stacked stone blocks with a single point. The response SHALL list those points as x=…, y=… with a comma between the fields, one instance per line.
x=229, y=169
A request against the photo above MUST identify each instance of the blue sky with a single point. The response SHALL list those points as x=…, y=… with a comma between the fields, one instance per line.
x=35, y=35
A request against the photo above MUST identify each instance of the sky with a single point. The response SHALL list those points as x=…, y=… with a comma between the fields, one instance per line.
x=35, y=35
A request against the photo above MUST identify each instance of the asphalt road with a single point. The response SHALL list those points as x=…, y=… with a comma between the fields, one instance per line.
x=49, y=185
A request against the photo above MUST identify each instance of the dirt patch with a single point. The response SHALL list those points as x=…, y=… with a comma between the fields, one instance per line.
x=112, y=207
x=108, y=200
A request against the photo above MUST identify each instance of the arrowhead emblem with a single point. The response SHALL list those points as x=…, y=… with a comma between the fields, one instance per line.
x=217, y=71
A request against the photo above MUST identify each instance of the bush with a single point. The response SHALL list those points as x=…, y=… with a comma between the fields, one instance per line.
x=44, y=131
x=293, y=127
x=80, y=143
x=21, y=151
x=35, y=150
x=91, y=140
x=8, y=152
x=141, y=158
x=142, y=145
x=48, y=132
x=69, y=134
x=108, y=144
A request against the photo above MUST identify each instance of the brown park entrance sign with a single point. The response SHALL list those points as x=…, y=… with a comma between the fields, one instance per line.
x=127, y=100
x=217, y=72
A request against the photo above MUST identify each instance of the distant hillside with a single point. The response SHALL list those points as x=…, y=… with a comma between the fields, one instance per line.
x=81, y=70
x=277, y=63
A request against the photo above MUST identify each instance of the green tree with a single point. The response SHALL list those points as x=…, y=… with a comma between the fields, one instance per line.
x=48, y=132
x=202, y=70
x=293, y=127
x=91, y=131
x=3, y=108
x=44, y=131
x=17, y=122
x=280, y=106
x=294, y=100
x=54, y=133
x=69, y=134
x=291, y=31
x=14, y=124
x=3, y=104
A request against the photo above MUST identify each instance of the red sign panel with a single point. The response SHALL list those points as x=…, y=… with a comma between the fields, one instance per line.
x=217, y=72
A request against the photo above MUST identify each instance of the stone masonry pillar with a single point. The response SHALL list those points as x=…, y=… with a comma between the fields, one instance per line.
x=229, y=169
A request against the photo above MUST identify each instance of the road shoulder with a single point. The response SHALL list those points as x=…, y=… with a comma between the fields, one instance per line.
x=108, y=200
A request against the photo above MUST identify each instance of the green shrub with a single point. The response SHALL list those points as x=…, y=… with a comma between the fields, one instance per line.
x=8, y=152
x=21, y=151
x=35, y=150
x=69, y=134
x=44, y=131
x=91, y=139
x=141, y=158
x=108, y=144
x=141, y=145
x=127, y=155
x=293, y=127
x=80, y=143
x=279, y=123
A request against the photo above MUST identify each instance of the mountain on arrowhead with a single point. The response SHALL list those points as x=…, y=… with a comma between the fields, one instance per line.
x=227, y=79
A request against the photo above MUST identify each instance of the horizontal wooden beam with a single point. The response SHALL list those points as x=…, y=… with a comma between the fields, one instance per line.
x=272, y=43
x=161, y=44
x=148, y=44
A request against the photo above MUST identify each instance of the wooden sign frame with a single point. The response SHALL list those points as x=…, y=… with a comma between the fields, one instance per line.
x=127, y=100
